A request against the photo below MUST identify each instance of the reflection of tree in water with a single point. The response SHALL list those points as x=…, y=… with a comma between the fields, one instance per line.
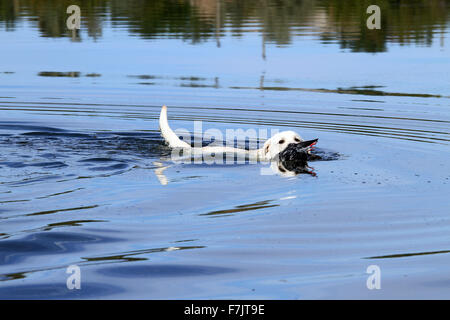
x=403, y=21
x=152, y=19
x=50, y=15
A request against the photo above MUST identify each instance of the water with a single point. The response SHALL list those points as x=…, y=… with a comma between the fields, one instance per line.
x=85, y=177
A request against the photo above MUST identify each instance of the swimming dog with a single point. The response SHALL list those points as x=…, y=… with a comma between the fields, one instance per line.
x=286, y=146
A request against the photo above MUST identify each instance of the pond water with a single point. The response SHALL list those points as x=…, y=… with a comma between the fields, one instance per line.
x=85, y=177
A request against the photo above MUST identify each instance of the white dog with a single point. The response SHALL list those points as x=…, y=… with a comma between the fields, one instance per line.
x=283, y=146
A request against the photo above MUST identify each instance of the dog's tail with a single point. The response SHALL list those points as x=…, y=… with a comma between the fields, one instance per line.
x=167, y=133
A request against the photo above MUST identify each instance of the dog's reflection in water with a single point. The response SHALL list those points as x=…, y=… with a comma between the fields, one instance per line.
x=291, y=168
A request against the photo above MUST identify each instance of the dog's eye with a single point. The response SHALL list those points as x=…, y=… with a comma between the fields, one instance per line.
x=281, y=141
x=281, y=169
x=297, y=139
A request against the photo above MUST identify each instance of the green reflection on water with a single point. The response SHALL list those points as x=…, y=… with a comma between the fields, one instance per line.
x=278, y=21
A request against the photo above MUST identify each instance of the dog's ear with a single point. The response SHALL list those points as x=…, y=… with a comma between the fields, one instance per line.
x=266, y=147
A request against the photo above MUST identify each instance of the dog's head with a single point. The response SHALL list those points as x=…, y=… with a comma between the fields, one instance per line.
x=287, y=145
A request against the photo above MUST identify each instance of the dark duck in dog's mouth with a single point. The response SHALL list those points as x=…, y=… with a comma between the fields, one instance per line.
x=294, y=157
